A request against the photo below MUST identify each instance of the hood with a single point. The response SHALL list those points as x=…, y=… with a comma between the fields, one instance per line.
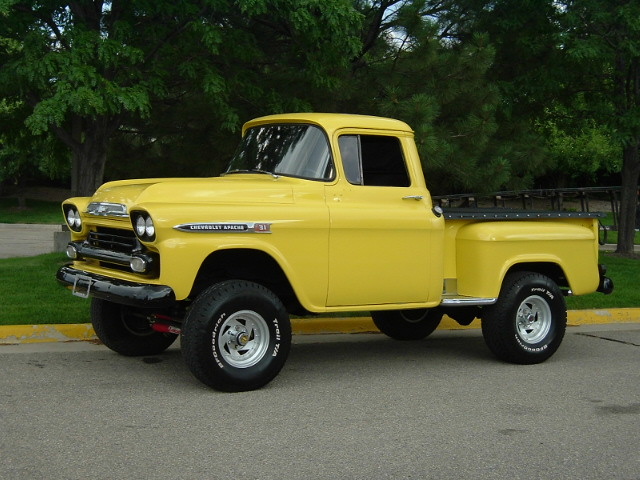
x=233, y=189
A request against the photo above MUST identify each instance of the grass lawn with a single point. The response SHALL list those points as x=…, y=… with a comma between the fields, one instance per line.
x=31, y=294
x=34, y=211
x=612, y=235
x=625, y=273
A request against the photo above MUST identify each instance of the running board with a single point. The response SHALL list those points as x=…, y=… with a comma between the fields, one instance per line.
x=457, y=301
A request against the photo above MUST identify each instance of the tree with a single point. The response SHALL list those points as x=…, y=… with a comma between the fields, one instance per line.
x=578, y=57
x=55, y=72
x=421, y=62
x=603, y=46
x=88, y=69
x=580, y=149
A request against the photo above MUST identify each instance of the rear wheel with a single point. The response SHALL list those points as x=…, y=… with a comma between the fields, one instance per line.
x=236, y=336
x=527, y=323
x=407, y=324
x=127, y=330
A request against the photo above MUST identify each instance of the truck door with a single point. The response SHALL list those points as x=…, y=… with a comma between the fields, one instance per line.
x=381, y=226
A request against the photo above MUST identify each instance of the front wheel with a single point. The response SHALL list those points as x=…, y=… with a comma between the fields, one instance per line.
x=407, y=324
x=236, y=336
x=527, y=323
x=127, y=330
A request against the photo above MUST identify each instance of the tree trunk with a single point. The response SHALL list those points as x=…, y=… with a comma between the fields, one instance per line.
x=89, y=155
x=628, y=198
x=88, y=171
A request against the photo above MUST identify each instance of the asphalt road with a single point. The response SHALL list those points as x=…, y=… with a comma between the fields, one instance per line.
x=344, y=407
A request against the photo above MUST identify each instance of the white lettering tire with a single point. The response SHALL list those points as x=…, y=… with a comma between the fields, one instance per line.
x=236, y=336
x=527, y=323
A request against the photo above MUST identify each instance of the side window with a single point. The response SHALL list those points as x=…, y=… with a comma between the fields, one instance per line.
x=373, y=160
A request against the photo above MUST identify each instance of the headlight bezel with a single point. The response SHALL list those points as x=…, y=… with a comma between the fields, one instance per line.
x=143, y=226
x=72, y=217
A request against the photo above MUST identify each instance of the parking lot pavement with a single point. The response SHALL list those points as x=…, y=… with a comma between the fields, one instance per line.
x=344, y=407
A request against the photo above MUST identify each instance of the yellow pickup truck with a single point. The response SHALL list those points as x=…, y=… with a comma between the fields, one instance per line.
x=317, y=213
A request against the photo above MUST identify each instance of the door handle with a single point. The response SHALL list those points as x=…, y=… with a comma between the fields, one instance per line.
x=413, y=197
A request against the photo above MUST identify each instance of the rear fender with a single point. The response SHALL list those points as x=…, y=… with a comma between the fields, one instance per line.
x=486, y=251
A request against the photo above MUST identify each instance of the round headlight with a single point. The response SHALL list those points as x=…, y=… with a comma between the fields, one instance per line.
x=141, y=226
x=73, y=219
x=150, y=230
x=144, y=227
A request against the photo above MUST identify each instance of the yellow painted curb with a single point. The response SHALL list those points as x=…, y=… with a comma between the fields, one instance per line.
x=594, y=317
x=13, y=334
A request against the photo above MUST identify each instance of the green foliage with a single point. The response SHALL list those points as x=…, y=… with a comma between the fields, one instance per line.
x=501, y=93
x=441, y=87
x=88, y=70
x=603, y=53
x=276, y=56
x=25, y=157
x=580, y=154
x=78, y=73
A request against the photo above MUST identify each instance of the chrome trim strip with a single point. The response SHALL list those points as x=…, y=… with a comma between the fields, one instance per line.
x=467, y=301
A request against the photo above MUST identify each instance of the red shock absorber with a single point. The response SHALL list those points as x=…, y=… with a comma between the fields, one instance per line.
x=165, y=324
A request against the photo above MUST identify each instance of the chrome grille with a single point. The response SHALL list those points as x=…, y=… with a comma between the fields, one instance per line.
x=113, y=239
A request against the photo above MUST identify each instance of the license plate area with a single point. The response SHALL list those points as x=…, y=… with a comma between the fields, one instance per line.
x=82, y=286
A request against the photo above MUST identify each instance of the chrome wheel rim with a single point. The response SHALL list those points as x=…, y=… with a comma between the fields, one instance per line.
x=534, y=319
x=243, y=339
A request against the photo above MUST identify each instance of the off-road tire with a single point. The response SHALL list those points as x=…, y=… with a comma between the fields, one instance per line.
x=407, y=324
x=236, y=336
x=126, y=330
x=527, y=323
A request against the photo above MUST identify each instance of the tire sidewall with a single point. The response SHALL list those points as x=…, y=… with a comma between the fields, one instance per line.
x=542, y=290
x=500, y=321
x=203, y=326
x=269, y=316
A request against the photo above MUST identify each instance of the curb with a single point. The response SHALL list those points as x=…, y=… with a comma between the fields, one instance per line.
x=18, y=334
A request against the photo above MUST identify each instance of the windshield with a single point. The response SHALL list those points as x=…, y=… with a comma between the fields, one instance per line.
x=290, y=150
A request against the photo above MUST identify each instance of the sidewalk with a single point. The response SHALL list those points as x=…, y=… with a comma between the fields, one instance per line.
x=26, y=240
